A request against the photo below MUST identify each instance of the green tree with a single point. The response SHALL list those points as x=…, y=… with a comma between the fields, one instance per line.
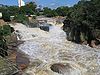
x=21, y=18
x=5, y=30
x=62, y=11
x=6, y=16
x=13, y=10
x=83, y=21
x=29, y=8
x=49, y=12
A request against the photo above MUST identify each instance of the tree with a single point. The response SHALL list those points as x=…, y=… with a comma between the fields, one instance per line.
x=6, y=16
x=49, y=12
x=29, y=8
x=5, y=30
x=13, y=10
x=83, y=19
x=21, y=18
x=62, y=11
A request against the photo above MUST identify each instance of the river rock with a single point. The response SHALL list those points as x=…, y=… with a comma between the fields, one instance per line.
x=22, y=60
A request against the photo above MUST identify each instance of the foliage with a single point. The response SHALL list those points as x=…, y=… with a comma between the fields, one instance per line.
x=13, y=10
x=31, y=8
x=20, y=18
x=5, y=30
x=47, y=12
x=9, y=11
x=6, y=16
x=60, y=11
x=83, y=21
x=28, y=9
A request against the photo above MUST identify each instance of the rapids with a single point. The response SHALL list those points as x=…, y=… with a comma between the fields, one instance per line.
x=51, y=54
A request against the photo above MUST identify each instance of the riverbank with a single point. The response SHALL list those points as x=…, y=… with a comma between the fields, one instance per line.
x=18, y=57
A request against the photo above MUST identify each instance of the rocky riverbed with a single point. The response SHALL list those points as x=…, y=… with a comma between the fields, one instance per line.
x=51, y=54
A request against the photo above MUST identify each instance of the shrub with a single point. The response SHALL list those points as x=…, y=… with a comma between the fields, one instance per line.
x=5, y=30
x=20, y=18
x=6, y=16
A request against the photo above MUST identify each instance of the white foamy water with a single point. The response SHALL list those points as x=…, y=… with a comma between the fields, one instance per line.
x=48, y=48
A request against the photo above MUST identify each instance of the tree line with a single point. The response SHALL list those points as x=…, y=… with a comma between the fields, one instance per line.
x=82, y=24
x=31, y=9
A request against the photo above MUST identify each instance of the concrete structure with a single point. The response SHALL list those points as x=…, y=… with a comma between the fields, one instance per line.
x=0, y=15
x=21, y=3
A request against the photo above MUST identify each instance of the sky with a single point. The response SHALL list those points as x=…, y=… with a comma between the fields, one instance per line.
x=44, y=3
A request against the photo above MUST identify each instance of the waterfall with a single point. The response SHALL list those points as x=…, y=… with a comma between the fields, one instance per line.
x=40, y=44
x=52, y=48
x=57, y=34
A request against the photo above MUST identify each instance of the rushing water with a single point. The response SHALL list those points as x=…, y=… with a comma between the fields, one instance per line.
x=51, y=54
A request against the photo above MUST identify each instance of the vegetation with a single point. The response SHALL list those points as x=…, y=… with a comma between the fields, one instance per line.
x=28, y=9
x=20, y=18
x=60, y=11
x=83, y=22
x=19, y=13
x=6, y=16
x=31, y=9
x=5, y=30
x=49, y=12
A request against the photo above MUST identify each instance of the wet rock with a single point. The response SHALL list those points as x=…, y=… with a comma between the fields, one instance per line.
x=11, y=38
x=45, y=27
x=22, y=60
x=93, y=44
x=61, y=68
x=19, y=58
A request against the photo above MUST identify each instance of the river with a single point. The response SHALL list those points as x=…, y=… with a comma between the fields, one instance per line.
x=51, y=54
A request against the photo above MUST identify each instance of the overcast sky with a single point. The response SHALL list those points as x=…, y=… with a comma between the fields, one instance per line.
x=44, y=3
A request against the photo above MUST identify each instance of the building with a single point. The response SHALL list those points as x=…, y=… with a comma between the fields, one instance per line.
x=0, y=15
x=21, y=3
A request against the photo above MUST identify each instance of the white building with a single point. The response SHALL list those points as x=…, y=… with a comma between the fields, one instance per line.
x=21, y=3
x=0, y=15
